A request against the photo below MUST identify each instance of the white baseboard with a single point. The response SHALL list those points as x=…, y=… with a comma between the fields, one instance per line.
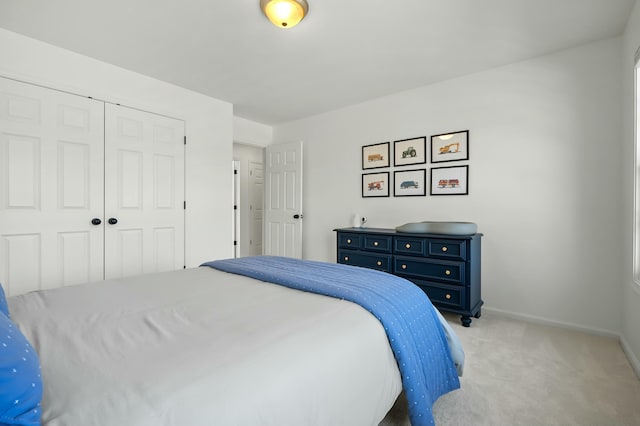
x=544, y=321
x=633, y=359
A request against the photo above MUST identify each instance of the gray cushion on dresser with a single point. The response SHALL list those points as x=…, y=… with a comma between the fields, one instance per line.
x=430, y=227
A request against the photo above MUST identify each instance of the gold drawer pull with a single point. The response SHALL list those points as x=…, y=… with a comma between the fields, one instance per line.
x=444, y=248
x=408, y=245
x=404, y=266
x=379, y=263
x=447, y=272
x=349, y=241
x=447, y=296
x=346, y=258
x=375, y=244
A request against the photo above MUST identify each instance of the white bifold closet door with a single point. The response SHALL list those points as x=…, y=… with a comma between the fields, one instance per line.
x=144, y=192
x=56, y=196
x=52, y=165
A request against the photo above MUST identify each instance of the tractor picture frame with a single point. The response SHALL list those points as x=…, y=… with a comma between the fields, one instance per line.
x=410, y=151
x=453, y=146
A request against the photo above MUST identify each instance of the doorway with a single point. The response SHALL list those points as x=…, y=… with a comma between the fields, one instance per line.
x=248, y=199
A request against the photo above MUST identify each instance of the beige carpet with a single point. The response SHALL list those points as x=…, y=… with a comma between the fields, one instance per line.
x=519, y=373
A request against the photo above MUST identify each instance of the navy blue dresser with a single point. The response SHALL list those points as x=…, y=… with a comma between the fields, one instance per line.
x=445, y=267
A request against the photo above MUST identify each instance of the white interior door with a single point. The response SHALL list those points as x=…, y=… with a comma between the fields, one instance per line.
x=144, y=192
x=237, y=242
x=283, y=200
x=256, y=207
x=51, y=187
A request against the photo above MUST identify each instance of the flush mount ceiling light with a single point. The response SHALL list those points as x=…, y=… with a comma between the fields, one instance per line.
x=284, y=13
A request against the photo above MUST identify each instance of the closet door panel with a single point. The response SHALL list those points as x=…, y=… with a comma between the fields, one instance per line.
x=144, y=192
x=51, y=187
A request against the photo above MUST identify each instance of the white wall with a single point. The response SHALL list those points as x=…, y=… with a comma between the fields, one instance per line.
x=545, y=163
x=209, y=125
x=251, y=133
x=631, y=292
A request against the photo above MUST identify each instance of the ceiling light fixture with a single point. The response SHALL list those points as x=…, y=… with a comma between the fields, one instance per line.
x=284, y=13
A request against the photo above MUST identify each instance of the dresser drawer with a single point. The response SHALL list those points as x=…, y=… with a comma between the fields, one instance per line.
x=379, y=243
x=410, y=246
x=346, y=240
x=439, y=270
x=450, y=249
x=450, y=297
x=381, y=262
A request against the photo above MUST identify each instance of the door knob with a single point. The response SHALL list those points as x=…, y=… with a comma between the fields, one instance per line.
x=297, y=216
x=112, y=221
x=96, y=221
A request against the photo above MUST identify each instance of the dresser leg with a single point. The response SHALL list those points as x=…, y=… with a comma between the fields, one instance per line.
x=465, y=320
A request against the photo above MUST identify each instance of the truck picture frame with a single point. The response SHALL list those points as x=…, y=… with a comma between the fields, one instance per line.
x=452, y=180
x=375, y=184
x=410, y=151
x=409, y=183
x=375, y=156
x=453, y=146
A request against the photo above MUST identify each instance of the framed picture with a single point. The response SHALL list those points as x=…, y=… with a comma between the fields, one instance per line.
x=450, y=180
x=450, y=147
x=409, y=183
x=375, y=156
x=410, y=151
x=375, y=184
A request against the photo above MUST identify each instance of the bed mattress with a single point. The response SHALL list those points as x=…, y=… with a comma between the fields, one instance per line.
x=206, y=347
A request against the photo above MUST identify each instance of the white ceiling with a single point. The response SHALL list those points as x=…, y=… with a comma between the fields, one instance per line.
x=344, y=52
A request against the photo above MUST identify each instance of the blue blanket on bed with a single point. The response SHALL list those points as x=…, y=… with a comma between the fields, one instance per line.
x=410, y=320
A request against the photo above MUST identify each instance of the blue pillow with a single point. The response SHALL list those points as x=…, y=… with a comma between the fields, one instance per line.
x=4, y=308
x=20, y=380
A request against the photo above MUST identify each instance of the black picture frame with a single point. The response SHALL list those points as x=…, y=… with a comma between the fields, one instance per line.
x=410, y=151
x=452, y=180
x=409, y=183
x=375, y=185
x=375, y=156
x=453, y=146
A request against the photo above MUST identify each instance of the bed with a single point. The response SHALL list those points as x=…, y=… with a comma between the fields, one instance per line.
x=222, y=345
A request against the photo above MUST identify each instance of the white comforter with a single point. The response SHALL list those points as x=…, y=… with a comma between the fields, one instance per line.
x=204, y=347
